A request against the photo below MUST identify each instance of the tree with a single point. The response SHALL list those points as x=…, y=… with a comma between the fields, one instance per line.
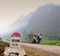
x=24, y=35
x=30, y=36
x=0, y=39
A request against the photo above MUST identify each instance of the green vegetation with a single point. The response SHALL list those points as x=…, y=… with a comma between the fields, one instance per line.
x=50, y=42
x=46, y=42
x=50, y=36
x=26, y=41
x=47, y=38
x=3, y=44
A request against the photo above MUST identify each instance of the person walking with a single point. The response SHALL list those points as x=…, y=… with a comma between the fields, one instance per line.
x=39, y=38
x=34, y=39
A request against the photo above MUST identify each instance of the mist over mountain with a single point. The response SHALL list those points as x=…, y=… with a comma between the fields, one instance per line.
x=46, y=19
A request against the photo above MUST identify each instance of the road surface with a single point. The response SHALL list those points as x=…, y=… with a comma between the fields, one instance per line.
x=41, y=50
x=38, y=50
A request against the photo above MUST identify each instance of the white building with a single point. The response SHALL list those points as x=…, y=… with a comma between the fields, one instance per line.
x=15, y=40
x=15, y=49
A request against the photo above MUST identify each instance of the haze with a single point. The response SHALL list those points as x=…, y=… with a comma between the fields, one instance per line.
x=10, y=10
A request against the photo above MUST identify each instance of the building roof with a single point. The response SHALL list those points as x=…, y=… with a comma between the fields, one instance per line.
x=16, y=34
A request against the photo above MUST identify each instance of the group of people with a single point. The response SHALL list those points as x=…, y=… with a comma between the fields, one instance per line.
x=37, y=38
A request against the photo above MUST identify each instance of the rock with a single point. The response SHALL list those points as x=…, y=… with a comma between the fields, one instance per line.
x=14, y=50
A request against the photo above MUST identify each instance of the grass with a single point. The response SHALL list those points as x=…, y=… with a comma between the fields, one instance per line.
x=50, y=42
x=26, y=41
x=3, y=44
x=46, y=42
x=43, y=42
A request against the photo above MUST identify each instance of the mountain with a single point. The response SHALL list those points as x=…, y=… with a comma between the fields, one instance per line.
x=46, y=19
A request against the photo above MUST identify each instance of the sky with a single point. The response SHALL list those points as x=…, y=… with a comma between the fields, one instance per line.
x=11, y=10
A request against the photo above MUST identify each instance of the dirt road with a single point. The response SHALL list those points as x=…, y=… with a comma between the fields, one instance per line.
x=41, y=50
x=38, y=50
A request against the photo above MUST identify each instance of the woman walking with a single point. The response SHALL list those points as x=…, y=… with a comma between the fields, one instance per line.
x=39, y=38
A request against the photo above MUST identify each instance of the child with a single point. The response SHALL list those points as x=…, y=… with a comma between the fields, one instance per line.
x=34, y=39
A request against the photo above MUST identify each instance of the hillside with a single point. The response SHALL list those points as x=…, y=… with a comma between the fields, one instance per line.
x=46, y=19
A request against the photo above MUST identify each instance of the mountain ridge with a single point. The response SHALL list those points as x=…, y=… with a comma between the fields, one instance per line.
x=46, y=19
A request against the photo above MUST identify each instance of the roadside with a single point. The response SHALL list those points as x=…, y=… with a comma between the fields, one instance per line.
x=46, y=48
x=36, y=52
